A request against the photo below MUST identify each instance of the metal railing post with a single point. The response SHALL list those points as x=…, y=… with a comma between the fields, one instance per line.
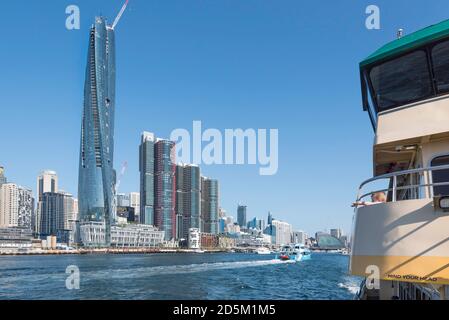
x=395, y=181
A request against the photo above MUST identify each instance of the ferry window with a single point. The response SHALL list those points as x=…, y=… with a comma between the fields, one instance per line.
x=402, y=80
x=440, y=176
x=440, y=57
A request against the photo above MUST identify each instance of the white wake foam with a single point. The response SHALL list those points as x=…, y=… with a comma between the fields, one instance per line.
x=185, y=269
x=349, y=285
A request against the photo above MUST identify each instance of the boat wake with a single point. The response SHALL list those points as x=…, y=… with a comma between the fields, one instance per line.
x=350, y=285
x=185, y=269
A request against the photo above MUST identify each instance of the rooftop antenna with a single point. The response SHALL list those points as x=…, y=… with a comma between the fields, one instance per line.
x=400, y=33
x=117, y=19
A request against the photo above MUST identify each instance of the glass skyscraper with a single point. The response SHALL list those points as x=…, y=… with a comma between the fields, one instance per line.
x=209, y=205
x=158, y=184
x=165, y=188
x=241, y=216
x=188, y=199
x=96, y=184
x=146, y=167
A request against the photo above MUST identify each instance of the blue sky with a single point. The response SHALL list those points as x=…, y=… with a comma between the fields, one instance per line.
x=289, y=65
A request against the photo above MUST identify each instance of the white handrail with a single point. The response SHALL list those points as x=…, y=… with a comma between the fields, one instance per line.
x=394, y=176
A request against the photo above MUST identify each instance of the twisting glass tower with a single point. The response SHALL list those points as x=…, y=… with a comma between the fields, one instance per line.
x=96, y=184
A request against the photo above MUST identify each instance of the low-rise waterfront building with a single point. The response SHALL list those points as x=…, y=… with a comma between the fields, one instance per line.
x=336, y=233
x=226, y=242
x=209, y=240
x=92, y=234
x=194, y=238
x=15, y=238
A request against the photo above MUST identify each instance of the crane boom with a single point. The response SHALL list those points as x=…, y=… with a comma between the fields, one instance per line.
x=117, y=19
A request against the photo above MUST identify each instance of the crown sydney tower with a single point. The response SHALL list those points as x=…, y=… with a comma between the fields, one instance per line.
x=97, y=178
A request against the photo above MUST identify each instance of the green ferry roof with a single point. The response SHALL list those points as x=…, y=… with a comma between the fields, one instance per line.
x=409, y=42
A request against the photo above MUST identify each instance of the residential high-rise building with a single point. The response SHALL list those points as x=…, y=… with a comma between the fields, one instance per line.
x=16, y=206
x=70, y=210
x=2, y=176
x=134, y=201
x=146, y=166
x=97, y=178
x=241, y=216
x=209, y=205
x=281, y=232
x=52, y=214
x=164, y=187
x=47, y=181
x=188, y=199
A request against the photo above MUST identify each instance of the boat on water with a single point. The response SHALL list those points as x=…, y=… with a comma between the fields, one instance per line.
x=263, y=251
x=297, y=252
x=401, y=218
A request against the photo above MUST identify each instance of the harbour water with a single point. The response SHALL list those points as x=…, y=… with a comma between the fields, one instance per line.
x=178, y=276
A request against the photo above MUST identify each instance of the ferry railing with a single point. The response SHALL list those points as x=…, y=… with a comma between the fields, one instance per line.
x=426, y=173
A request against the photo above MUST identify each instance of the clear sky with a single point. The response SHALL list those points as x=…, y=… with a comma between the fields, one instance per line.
x=290, y=65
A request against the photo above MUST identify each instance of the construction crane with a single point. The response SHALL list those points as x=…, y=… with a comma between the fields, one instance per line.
x=117, y=19
x=122, y=172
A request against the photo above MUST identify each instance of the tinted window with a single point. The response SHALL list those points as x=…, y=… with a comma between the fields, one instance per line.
x=440, y=57
x=401, y=81
x=440, y=176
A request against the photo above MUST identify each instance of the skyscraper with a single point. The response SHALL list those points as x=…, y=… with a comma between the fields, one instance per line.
x=96, y=184
x=241, y=216
x=2, y=176
x=52, y=214
x=47, y=181
x=209, y=205
x=270, y=218
x=188, y=199
x=164, y=187
x=70, y=210
x=146, y=167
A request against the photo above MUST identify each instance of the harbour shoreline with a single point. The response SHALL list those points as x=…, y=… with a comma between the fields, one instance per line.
x=106, y=251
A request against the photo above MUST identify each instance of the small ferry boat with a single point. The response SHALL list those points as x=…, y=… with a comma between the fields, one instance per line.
x=297, y=252
x=263, y=250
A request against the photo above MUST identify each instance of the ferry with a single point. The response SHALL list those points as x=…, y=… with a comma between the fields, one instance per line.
x=263, y=251
x=297, y=252
x=400, y=236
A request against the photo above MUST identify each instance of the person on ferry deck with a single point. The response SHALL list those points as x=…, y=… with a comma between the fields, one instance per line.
x=376, y=198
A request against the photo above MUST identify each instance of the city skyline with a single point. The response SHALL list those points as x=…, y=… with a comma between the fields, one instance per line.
x=182, y=62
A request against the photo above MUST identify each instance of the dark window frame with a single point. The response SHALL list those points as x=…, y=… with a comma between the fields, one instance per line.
x=435, y=188
x=366, y=79
x=425, y=50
